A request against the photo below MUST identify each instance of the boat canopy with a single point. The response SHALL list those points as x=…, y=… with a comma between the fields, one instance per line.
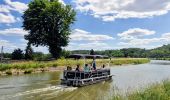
x=79, y=56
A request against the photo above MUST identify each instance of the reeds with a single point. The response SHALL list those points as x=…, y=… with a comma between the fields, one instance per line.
x=159, y=91
x=69, y=62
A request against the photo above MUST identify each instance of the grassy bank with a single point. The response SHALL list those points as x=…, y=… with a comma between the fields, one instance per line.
x=29, y=66
x=162, y=59
x=159, y=91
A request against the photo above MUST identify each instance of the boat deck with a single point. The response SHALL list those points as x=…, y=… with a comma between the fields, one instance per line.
x=75, y=78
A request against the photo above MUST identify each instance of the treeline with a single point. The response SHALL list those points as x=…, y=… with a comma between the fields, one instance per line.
x=29, y=54
x=160, y=52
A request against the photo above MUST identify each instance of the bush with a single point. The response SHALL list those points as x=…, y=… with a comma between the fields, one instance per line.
x=28, y=71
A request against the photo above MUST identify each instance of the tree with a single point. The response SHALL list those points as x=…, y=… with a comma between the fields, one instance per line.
x=28, y=52
x=48, y=23
x=92, y=52
x=65, y=53
x=17, y=54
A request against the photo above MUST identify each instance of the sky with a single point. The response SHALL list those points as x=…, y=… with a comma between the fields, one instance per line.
x=99, y=25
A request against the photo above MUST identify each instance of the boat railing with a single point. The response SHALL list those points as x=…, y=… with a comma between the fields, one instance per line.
x=84, y=75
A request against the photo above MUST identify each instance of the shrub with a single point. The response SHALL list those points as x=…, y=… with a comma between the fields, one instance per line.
x=28, y=71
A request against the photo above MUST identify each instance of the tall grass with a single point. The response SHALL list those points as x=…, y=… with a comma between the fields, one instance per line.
x=159, y=91
x=69, y=62
x=163, y=59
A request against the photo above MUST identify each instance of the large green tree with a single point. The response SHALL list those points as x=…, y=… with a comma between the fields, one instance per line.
x=48, y=23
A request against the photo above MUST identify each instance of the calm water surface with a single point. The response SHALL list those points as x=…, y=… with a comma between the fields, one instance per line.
x=46, y=86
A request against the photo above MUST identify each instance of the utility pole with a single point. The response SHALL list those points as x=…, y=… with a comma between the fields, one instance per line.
x=2, y=53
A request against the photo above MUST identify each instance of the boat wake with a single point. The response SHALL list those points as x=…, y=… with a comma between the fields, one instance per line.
x=58, y=88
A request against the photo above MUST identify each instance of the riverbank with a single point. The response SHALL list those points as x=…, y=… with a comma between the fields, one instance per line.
x=162, y=59
x=160, y=91
x=26, y=67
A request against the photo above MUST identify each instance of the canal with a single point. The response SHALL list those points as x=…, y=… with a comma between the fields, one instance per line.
x=46, y=86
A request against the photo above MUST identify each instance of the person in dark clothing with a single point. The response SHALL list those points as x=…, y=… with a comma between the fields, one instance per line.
x=94, y=64
x=103, y=66
x=69, y=68
x=78, y=68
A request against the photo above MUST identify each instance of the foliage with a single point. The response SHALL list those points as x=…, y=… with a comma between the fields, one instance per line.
x=39, y=56
x=28, y=52
x=92, y=52
x=159, y=91
x=65, y=53
x=160, y=52
x=17, y=54
x=48, y=23
x=70, y=62
x=7, y=55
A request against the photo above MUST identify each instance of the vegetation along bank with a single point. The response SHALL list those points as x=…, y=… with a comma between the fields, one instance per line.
x=24, y=67
x=160, y=91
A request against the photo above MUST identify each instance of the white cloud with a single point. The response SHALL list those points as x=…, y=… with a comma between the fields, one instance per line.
x=3, y=42
x=16, y=6
x=8, y=46
x=83, y=40
x=109, y=10
x=7, y=18
x=5, y=11
x=134, y=33
x=140, y=42
x=79, y=35
x=4, y=8
x=87, y=46
x=13, y=31
x=166, y=37
x=135, y=38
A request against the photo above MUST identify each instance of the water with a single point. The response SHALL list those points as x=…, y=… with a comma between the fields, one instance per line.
x=47, y=86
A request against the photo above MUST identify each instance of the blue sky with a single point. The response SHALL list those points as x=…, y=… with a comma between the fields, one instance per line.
x=100, y=25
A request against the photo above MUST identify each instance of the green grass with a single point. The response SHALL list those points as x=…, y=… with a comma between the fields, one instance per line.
x=69, y=62
x=163, y=59
x=159, y=91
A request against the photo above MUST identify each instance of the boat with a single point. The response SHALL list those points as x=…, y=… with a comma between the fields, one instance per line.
x=81, y=78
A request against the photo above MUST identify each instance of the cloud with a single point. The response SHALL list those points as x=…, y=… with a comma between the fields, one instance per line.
x=87, y=46
x=79, y=35
x=137, y=42
x=134, y=33
x=5, y=8
x=166, y=37
x=135, y=38
x=13, y=31
x=7, y=18
x=3, y=42
x=5, y=11
x=8, y=46
x=16, y=6
x=109, y=10
x=84, y=40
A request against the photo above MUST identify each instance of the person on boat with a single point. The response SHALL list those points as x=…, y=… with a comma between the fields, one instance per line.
x=69, y=68
x=103, y=66
x=86, y=68
x=94, y=64
x=78, y=68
